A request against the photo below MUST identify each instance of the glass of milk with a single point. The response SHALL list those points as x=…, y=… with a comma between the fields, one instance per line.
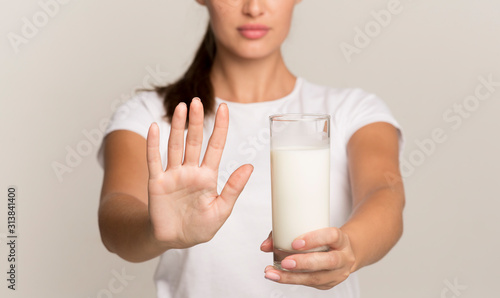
x=300, y=179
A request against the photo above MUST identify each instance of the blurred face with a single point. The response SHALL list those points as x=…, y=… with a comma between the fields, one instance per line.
x=250, y=29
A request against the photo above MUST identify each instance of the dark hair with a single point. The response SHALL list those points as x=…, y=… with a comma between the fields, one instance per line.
x=195, y=82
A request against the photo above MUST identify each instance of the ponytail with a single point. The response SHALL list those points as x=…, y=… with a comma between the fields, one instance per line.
x=195, y=82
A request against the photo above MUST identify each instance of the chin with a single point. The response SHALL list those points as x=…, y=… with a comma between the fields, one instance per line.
x=254, y=51
x=254, y=55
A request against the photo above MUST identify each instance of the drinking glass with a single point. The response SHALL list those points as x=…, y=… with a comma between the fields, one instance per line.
x=300, y=179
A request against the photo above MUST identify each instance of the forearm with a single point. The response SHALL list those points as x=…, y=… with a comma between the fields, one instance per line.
x=125, y=228
x=375, y=226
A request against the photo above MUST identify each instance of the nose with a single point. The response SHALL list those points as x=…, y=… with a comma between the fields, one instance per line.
x=253, y=8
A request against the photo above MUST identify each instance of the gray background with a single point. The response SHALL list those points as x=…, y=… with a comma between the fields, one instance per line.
x=63, y=81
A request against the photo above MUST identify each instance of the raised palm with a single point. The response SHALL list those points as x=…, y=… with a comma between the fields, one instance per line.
x=184, y=206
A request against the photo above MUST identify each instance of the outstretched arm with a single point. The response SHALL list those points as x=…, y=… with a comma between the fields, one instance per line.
x=376, y=223
x=145, y=210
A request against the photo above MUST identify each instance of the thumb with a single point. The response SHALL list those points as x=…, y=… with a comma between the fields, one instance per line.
x=234, y=186
x=267, y=245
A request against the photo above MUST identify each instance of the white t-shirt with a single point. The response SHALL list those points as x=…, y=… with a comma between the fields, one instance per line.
x=231, y=264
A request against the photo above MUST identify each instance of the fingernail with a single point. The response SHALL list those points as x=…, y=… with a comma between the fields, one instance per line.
x=272, y=276
x=196, y=98
x=288, y=264
x=268, y=268
x=298, y=244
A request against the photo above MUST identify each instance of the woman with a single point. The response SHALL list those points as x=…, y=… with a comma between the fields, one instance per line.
x=157, y=199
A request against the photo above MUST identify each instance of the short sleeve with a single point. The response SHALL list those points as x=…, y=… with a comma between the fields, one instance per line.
x=360, y=109
x=134, y=115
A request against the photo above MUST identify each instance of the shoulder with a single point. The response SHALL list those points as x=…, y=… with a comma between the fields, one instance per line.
x=143, y=104
x=351, y=108
x=137, y=113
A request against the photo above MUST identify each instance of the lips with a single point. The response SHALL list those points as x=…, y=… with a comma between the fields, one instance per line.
x=253, y=31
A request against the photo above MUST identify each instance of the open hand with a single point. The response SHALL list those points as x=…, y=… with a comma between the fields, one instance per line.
x=184, y=206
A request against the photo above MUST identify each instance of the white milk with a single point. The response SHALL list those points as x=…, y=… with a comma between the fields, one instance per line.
x=300, y=181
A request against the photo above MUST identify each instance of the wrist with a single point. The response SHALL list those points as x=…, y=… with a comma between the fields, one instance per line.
x=357, y=258
x=159, y=243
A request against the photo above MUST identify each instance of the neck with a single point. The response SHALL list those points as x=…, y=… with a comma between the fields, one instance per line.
x=251, y=80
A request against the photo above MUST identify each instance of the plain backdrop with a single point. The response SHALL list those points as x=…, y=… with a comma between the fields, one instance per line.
x=61, y=79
